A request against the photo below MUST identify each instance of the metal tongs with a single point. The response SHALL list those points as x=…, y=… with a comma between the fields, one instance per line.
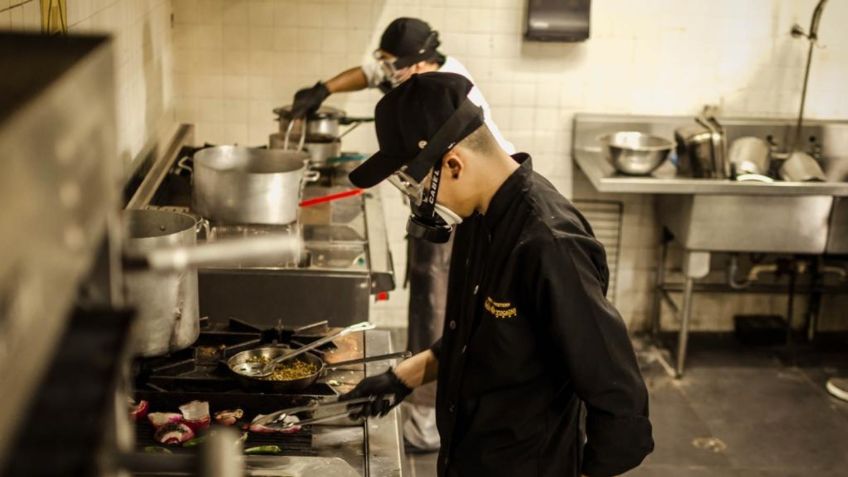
x=257, y=370
x=277, y=420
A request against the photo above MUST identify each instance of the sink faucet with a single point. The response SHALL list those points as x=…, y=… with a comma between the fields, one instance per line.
x=812, y=36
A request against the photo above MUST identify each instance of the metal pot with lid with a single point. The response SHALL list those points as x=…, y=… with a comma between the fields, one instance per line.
x=321, y=138
x=323, y=122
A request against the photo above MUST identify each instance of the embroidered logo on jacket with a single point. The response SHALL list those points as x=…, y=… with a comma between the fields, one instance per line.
x=500, y=310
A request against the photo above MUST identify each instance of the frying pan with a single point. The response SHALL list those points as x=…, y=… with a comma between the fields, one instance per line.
x=270, y=352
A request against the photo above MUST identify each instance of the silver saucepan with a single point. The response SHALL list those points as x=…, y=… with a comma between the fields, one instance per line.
x=240, y=185
x=161, y=256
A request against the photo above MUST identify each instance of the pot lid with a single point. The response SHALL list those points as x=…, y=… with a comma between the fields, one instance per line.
x=324, y=112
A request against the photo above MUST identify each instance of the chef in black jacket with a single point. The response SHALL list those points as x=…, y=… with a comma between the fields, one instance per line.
x=530, y=339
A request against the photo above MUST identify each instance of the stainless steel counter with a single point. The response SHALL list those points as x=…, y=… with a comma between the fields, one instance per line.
x=382, y=437
x=587, y=127
x=605, y=179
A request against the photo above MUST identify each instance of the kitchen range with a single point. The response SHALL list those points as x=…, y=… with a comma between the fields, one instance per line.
x=332, y=444
x=266, y=307
x=102, y=388
x=345, y=255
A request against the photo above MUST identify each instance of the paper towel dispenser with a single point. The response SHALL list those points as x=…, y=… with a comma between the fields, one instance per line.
x=557, y=20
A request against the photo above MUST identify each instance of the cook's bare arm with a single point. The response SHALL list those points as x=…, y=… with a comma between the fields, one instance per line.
x=420, y=369
x=352, y=79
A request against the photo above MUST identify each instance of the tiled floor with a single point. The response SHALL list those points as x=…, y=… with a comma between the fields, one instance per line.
x=739, y=412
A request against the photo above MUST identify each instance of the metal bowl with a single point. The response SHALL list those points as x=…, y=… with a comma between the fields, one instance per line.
x=635, y=153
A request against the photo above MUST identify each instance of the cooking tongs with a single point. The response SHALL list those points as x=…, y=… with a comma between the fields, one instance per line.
x=277, y=420
x=257, y=370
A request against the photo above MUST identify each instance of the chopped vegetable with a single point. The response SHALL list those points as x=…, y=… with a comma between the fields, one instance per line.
x=157, y=450
x=196, y=441
x=228, y=417
x=159, y=419
x=196, y=414
x=174, y=434
x=265, y=450
x=139, y=411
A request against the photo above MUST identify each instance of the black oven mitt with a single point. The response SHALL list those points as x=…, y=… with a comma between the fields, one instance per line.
x=386, y=389
x=308, y=100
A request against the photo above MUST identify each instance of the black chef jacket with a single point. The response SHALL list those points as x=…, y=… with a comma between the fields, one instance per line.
x=529, y=337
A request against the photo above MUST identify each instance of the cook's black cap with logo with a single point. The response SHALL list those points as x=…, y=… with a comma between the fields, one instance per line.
x=409, y=39
x=420, y=120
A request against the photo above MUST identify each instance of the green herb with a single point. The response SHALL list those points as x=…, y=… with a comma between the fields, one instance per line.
x=263, y=450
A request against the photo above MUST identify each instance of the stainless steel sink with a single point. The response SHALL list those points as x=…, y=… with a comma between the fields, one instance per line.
x=724, y=215
x=709, y=215
x=747, y=223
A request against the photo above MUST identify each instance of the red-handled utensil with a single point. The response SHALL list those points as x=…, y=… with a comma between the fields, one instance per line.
x=331, y=197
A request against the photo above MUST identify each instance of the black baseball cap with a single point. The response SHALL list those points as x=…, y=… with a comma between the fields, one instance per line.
x=417, y=123
x=409, y=39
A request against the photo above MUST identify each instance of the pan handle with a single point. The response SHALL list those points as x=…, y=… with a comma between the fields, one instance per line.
x=355, y=328
x=351, y=120
x=381, y=357
x=248, y=249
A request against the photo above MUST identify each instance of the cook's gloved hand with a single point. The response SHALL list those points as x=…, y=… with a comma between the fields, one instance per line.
x=386, y=389
x=307, y=100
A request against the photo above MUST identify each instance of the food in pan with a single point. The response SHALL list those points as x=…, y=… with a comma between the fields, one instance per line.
x=228, y=417
x=173, y=434
x=290, y=370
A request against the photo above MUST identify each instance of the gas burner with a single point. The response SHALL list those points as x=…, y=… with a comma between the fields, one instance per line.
x=202, y=367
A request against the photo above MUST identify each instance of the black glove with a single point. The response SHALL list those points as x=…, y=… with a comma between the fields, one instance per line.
x=380, y=387
x=308, y=100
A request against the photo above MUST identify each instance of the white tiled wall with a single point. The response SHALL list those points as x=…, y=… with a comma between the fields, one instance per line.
x=235, y=60
x=142, y=47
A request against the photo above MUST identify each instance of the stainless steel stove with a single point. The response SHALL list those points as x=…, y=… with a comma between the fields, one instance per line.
x=341, y=447
x=346, y=263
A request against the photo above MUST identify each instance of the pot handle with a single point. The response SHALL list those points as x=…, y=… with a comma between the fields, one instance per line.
x=203, y=225
x=348, y=130
x=183, y=166
x=349, y=120
x=311, y=176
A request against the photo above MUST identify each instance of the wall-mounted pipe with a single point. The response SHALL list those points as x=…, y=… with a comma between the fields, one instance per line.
x=732, y=268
